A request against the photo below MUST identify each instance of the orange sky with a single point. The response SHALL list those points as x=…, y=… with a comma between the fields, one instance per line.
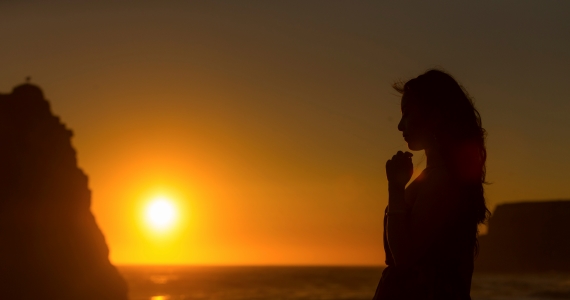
x=269, y=123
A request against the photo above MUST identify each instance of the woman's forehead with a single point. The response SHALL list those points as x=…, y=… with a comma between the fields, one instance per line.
x=407, y=101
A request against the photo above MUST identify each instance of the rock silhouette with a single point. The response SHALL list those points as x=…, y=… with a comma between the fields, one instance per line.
x=527, y=237
x=50, y=245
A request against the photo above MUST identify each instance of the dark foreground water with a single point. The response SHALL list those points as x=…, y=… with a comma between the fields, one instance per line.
x=313, y=283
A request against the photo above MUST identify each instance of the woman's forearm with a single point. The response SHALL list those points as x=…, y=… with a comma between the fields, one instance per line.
x=397, y=224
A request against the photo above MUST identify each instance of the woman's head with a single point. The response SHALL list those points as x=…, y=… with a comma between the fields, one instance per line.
x=437, y=114
x=440, y=108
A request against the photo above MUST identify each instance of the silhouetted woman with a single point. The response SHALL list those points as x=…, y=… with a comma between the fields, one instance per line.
x=430, y=226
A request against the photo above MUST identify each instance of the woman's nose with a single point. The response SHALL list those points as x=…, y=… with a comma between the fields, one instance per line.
x=401, y=125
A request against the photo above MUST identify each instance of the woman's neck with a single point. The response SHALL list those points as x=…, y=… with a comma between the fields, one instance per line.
x=434, y=157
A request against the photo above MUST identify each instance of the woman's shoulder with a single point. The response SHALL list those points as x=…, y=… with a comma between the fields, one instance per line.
x=434, y=182
x=431, y=175
x=439, y=180
x=438, y=175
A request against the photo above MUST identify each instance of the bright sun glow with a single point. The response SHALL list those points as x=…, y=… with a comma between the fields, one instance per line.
x=161, y=213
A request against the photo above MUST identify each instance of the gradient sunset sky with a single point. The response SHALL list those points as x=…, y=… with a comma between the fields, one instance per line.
x=269, y=123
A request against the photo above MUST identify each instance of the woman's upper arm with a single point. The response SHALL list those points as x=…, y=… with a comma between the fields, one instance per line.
x=436, y=204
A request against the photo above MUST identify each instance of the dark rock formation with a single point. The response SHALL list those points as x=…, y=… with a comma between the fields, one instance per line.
x=527, y=237
x=50, y=245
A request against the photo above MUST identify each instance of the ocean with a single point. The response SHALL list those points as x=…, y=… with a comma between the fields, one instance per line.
x=313, y=283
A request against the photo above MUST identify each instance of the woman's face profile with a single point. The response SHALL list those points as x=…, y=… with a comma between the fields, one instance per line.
x=414, y=124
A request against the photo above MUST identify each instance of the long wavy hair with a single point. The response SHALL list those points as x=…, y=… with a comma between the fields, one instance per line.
x=459, y=134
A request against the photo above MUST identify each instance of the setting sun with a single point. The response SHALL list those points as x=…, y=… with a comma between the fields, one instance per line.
x=161, y=213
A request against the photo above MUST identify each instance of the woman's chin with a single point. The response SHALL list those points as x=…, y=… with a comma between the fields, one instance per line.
x=415, y=147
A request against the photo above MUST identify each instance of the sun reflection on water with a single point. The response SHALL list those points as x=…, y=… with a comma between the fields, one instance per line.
x=159, y=279
x=159, y=298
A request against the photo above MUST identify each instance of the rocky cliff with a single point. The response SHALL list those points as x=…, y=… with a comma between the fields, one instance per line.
x=50, y=245
x=527, y=237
